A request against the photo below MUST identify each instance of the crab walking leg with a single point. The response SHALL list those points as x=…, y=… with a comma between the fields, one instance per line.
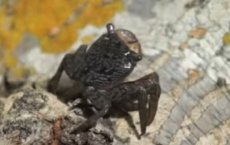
x=142, y=107
x=67, y=64
x=90, y=122
x=120, y=107
x=153, y=104
x=146, y=91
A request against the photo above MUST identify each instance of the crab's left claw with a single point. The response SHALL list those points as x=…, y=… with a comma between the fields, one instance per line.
x=142, y=107
x=149, y=95
x=154, y=95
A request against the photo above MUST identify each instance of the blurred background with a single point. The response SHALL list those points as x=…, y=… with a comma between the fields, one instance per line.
x=185, y=42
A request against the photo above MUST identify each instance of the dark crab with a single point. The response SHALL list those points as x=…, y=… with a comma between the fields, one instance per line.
x=102, y=69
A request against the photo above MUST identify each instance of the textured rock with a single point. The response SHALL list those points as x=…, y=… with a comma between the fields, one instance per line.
x=35, y=117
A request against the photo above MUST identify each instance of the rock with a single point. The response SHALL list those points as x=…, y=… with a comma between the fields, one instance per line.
x=35, y=117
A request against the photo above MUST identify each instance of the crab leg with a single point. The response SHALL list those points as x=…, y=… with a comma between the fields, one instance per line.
x=146, y=91
x=153, y=104
x=91, y=121
x=127, y=116
x=68, y=63
x=142, y=107
x=148, y=96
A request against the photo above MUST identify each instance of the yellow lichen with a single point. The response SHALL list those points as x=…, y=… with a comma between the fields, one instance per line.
x=41, y=18
x=8, y=36
x=87, y=39
x=55, y=23
x=226, y=38
x=11, y=62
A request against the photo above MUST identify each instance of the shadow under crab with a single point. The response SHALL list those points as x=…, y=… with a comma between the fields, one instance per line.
x=101, y=70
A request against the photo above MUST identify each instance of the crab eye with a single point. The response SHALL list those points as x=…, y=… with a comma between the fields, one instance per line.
x=130, y=40
x=110, y=28
x=127, y=36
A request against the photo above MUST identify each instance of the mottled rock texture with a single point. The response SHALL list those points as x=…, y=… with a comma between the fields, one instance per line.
x=35, y=117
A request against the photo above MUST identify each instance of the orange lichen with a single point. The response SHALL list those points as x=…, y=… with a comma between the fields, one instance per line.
x=62, y=41
x=182, y=46
x=11, y=62
x=8, y=36
x=175, y=94
x=54, y=23
x=42, y=18
x=193, y=76
x=197, y=33
x=87, y=39
x=226, y=39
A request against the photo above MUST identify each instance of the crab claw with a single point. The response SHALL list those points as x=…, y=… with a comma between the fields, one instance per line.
x=154, y=95
x=149, y=95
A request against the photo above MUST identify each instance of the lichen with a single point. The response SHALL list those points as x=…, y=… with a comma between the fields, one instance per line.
x=226, y=39
x=55, y=23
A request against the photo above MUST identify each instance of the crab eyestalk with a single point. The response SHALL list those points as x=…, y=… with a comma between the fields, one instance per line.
x=131, y=41
x=110, y=28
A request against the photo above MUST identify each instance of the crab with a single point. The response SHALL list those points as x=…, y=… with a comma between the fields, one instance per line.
x=102, y=69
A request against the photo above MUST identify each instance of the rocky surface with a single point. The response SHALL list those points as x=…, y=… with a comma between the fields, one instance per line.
x=35, y=117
